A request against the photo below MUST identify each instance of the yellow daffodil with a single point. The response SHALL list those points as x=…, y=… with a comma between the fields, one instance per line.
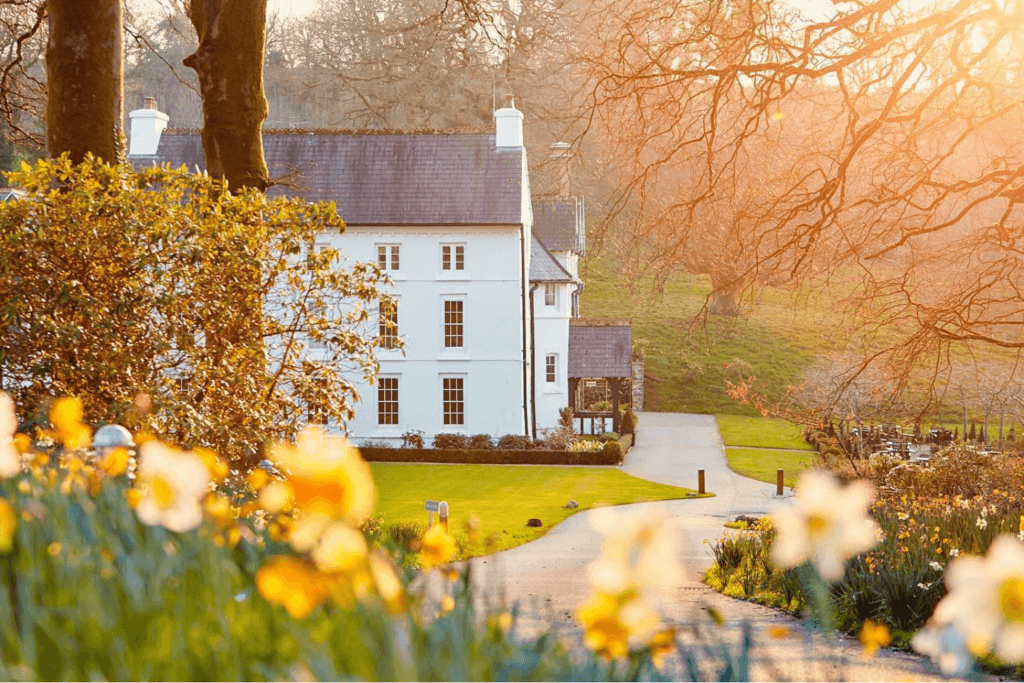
x=217, y=468
x=275, y=497
x=389, y=588
x=339, y=549
x=327, y=475
x=10, y=456
x=292, y=583
x=985, y=602
x=436, y=547
x=257, y=479
x=172, y=484
x=827, y=524
x=115, y=463
x=872, y=637
x=8, y=525
x=66, y=416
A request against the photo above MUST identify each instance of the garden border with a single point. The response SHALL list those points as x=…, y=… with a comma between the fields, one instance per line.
x=489, y=457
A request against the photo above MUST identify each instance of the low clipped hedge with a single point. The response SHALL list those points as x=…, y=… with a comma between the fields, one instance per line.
x=611, y=456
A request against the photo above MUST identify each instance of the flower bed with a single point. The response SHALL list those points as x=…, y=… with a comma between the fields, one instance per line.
x=610, y=456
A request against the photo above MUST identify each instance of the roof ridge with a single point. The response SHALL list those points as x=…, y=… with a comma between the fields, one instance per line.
x=348, y=131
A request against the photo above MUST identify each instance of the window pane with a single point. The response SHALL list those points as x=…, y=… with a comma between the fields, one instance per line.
x=382, y=257
x=388, y=325
x=453, y=324
x=446, y=258
x=551, y=364
x=387, y=401
x=460, y=258
x=549, y=295
x=394, y=257
x=453, y=400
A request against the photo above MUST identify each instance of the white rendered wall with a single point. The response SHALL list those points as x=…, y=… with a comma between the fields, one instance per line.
x=551, y=330
x=491, y=358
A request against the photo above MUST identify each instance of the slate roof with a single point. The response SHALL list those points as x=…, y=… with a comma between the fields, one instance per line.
x=544, y=267
x=560, y=224
x=600, y=348
x=385, y=179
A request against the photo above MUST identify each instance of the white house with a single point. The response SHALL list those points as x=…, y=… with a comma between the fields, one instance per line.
x=483, y=302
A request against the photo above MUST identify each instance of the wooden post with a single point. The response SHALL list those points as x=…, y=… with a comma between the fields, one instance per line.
x=700, y=481
x=442, y=514
x=779, y=482
x=616, y=388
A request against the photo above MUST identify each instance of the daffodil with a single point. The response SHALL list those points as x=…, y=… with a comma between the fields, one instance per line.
x=945, y=646
x=172, y=484
x=327, y=475
x=293, y=583
x=8, y=525
x=10, y=457
x=339, y=549
x=985, y=602
x=436, y=547
x=66, y=416
x=116, y=462
x=827, y=524
x=872, y=637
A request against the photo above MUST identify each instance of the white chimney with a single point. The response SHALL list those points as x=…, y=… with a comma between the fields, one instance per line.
x=508, y=125
x=560, y=157
x=146, y=126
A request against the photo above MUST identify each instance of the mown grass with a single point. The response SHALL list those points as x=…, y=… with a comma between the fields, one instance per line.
x=761, y=432
x=505, y=497
x=762, y=463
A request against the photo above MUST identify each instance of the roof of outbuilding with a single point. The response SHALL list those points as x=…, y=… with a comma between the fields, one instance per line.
x=544, y=267
x=558, y=222
x=386, y=179
x=600, y=348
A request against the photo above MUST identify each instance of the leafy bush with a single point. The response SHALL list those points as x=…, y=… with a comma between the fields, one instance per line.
x=586, y=446
x=162, y=282
x=608, y=436
x=628, y=422
x=452, y=442
x=565, y=417
x=493, y=457
x=559, y=439
x=412, y=439
x=481, y=442
x=612, y=449
x=514, y=442
x=601, y=407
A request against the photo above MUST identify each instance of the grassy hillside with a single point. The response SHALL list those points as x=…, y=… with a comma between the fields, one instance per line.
x=687, y=363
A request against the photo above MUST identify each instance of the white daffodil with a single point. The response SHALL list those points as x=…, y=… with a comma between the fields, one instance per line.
x=945, y=646
x=827, y=525
x=172, y=484
x=10, y=459
x=986, y=600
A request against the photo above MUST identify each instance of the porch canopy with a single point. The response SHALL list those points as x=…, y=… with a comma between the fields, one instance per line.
x=600, y=348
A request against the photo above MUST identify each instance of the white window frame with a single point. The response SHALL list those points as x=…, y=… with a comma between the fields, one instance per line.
x=453, y=257
x=550, y=294
x=551, y=368
x=381, y=400
x=392, y=256
x=380, y=327
x=461, y=300
x=461, y=412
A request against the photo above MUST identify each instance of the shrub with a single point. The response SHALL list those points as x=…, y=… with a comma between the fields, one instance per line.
x=412, y=439
x=514, y=442
x=586, y=446
x=608, y=436
x=565, y=417
x=628, y=423
x=452, y=442
x=601, y=406
x=612, y=449
x=481, y=442
x=559, y=439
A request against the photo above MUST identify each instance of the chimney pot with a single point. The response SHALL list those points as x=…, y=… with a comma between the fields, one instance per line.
x=560, y=156
x=509, y=101
x=150, y=103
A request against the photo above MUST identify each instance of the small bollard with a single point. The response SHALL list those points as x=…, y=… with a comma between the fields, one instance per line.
x=700, y=481
x=442, y=515
x=779, y=479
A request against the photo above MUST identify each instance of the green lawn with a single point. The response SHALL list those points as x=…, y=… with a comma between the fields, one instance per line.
x=761, y=463
x=761, y=432
x=505, y=497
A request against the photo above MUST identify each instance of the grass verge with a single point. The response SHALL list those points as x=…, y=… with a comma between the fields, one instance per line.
x=761, y=432
x=761, y=463
x=505, y=497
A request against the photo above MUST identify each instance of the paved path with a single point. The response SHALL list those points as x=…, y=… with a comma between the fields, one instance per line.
x=548, y=577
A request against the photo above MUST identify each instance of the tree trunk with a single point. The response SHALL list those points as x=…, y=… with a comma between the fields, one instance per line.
x=229, y=62
x=724, y=298
x=85, y=79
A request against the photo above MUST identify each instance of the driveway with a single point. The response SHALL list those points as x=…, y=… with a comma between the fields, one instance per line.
x=547, y=577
